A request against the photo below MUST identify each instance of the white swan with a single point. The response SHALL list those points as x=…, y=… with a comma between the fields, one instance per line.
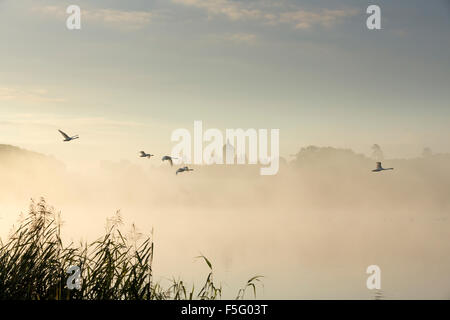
x=380, y=168
x=145, y=155
x=66, y=137
x=183, y=169
x=168, y=158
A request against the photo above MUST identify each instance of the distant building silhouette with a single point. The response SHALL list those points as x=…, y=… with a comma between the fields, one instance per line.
x=427, y=152
x=228, y=150
x=377, y=153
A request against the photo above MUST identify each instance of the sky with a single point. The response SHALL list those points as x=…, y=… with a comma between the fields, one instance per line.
x=137, y=70
x=140, y=69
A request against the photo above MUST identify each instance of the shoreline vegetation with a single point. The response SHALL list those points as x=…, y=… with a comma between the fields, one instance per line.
x=34, y=263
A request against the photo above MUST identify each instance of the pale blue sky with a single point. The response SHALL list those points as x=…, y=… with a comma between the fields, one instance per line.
x=139, y=69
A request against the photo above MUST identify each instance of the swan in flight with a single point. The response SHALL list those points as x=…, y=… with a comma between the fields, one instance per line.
x=183, y=169
x=66, y=137
x=380, y=168
x=145, y=155
x=168, y=158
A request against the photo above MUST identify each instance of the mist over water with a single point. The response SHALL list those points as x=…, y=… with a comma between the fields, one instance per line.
x=311, y=230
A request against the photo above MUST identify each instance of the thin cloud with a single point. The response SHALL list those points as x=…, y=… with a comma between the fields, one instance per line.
x=232, y=10
x=56, y=121
x=27, y=95
x=237, y=38
x=132, y=19
x=303, y=19
x=297, y=17
x=108, y=17
x=273, y=14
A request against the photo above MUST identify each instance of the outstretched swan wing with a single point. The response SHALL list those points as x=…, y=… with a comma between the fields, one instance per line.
x=64, y=134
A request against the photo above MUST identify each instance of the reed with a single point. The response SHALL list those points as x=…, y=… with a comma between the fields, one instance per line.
x=34, y=261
